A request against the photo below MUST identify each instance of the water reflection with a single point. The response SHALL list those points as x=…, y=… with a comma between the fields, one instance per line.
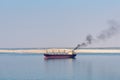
x=69, y=69
x=84, y=67
x=59, y=68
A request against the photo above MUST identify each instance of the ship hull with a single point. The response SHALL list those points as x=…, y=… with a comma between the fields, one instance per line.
x=57, y=56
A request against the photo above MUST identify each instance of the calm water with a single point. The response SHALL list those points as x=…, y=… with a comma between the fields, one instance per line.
x=84, y=67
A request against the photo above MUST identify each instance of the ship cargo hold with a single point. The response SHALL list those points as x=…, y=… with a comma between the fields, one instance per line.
x=60, y=53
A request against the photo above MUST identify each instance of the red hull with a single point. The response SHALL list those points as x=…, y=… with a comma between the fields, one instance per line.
x=59, y=56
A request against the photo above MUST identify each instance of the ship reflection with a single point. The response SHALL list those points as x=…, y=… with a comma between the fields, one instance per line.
x=68, y=67
x=84, y=68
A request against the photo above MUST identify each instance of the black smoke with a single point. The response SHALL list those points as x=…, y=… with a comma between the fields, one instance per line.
x=104, y=35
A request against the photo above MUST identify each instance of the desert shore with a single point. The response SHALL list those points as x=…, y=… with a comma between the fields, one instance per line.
x=39, y=51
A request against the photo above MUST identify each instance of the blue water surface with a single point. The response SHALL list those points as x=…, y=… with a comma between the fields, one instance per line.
x=35, y=67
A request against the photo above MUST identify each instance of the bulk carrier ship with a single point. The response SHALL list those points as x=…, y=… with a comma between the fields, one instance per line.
x=60, y=53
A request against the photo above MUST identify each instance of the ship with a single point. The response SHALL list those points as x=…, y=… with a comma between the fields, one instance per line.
x=60, y=53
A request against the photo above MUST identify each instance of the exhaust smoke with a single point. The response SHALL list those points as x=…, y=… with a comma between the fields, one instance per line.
x=104, y=35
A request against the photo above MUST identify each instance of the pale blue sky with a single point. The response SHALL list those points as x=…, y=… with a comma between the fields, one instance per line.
x=55, y=23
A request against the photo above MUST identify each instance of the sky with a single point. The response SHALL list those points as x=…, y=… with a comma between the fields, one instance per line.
x=56, y=23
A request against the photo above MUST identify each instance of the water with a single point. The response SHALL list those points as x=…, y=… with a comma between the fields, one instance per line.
x=84, y=67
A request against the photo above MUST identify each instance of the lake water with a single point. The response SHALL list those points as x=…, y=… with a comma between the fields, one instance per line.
x=84, y=67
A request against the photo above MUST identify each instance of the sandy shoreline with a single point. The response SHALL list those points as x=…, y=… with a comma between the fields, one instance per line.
x=39, y=51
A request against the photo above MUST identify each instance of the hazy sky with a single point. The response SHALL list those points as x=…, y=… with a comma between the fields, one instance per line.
x=55, y=23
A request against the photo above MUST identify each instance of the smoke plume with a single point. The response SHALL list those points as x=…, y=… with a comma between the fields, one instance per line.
x=104, y=35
